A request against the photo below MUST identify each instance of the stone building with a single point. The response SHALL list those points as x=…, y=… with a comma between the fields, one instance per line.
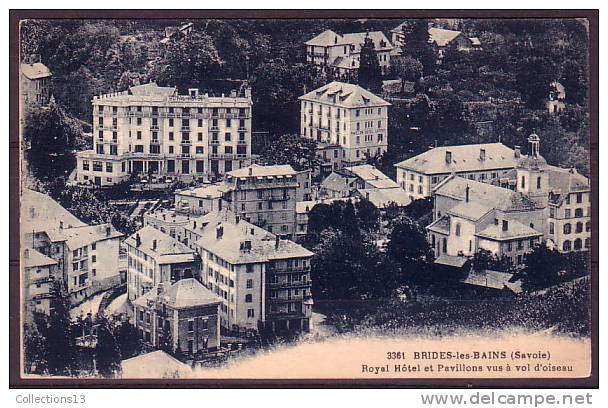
x=87, y=255
x=340, y=54
x=349, y=123
x=264, y=280
x=181, y=316
x=35, y=86
x=153, y=130
x=154, y=257
x=264, y=196
x=39, y=275
x=418, y=175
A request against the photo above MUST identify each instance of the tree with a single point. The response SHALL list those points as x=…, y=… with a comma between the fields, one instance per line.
x=416, y=44
x=59, y=338
x=542, y=267
x=107, y=350
x=128, y=340
x=574, y=80
x=533, y=78
x=407, y=69
x=34, y=343
x=369, y=74
x=484, y=259
x=292, y=149
x=408, y=246
x=51, y=136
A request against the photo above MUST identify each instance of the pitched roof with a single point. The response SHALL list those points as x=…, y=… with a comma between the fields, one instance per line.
x=229, y=243
x=255, y=170
x=152, y=89
x=382, y=198
x=490, y=279
x=338, y=182
x=470, y=210
x=326, y=38
x=39, y=212
x=35, y=71
x=442, y=36
x=441, y=225
x=330, y=38
x=451, y=260
x=78, y=237
x=490, y=195
x=214, y=190
x=464, y=158
x=32, y=258
x=168, y=249
x=567, y=180
x=344, y=95
x=156, y=364
x=516, y=230
x=371, y=175
x=183, y=294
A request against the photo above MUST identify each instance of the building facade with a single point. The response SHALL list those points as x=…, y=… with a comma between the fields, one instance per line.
x=349, y=123
x=153, y=130
x=39, y=275
x=182, y=316
x=418, y=175
x=35, y=86
x=264, y=196
x=341, y=54
x=264, y=281
x=154, y=257
x=200, y=200
x=87, y=256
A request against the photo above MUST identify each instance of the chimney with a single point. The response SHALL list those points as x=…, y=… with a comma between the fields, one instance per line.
x=154, y=245
x=164, y=217
x=505, y=225
x=60, y=224
x=482, y=154
x=237, y=219
x=250, y=171
x=219, y=232
x=137, y=240
x=194, y=224
x=277, y=241
x=466, y=194
x=517, y=152
x=108, y=230
x=448, y=157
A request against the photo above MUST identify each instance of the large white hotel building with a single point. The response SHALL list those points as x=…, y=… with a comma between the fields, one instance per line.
x=151, y=129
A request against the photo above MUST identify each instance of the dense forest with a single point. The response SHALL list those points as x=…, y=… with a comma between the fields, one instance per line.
x=494, y=94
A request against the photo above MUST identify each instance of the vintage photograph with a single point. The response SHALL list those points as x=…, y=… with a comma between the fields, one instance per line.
x=360, y=198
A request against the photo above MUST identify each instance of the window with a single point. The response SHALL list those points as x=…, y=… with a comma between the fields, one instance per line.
x=248, y=298
x=578, y=244
x=567, y=228
x=249, y=283
x=568, y=213
x=97, y=166
x=109, y=167
x=458, y=229
x=190, y=325
x=567, y=245
x=85, y=165
x=551, y=228
x=579, y=227
x=579, y=198
x=250, y=313
x=587, y=243
x=523, y=181
x=578, y=213
x=94, y=258
x=588, y=226
x=520, y=245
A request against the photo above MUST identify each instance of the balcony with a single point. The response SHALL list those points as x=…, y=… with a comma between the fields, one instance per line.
x=154, y=127
x=184, y=155
x=214, y=128
x=279, y=198
x=293, y=284
x=242, y=129
x=241, y=142
x=185, y=128
x=186, y=142
x=214, y=142
x=241, y=156
x=292, y=269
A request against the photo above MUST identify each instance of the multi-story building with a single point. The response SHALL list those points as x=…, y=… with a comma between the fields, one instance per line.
x=264, y=196
x=200, y=200
x=264, y=281
x=86, y=255
x=556, y=102
x=35, y=86
x=39, y=275
x=418, y=175
x=349, y=123
x=440, y=39
x=183, y=316
x=469, y=215
x=341, y=54
x=154, y=257
x=153, y=130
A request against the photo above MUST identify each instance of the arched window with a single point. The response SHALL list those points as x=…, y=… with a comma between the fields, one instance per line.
x=579, y=227
x=567, y=245
x=538, y=183
x=458, y=229
x=578, y=244
x=588, y=226
x=587, y=243
x=567, y=228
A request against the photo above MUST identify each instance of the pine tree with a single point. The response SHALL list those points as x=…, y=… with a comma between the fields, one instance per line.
x=416, y=44
x=60, y=340
x=370, y=74
x=107, y=352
